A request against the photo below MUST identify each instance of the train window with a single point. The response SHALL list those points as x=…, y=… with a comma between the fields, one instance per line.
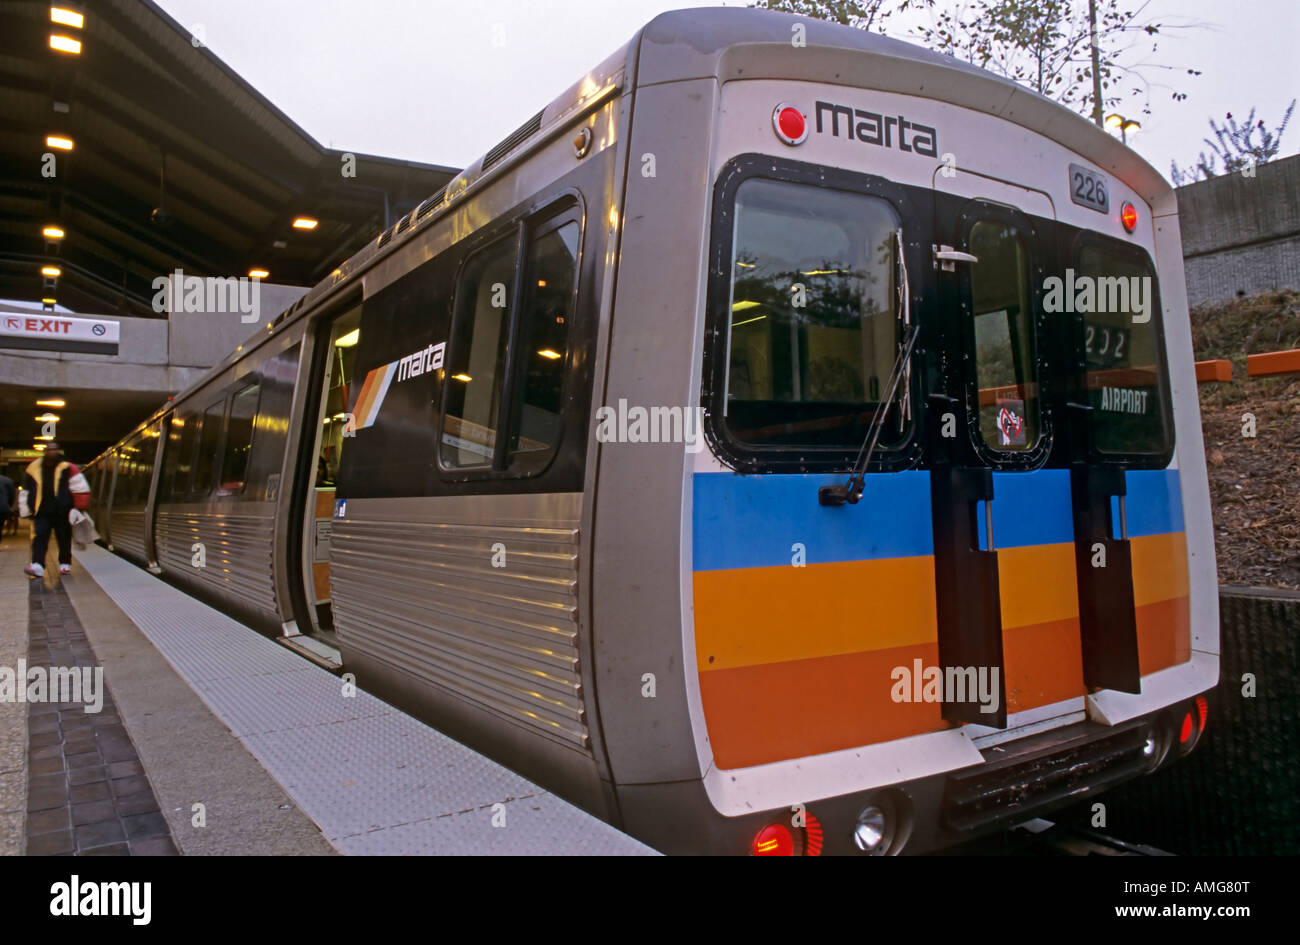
x=1124, y=381
x=209, y=438
x=551, y=268
x=180, y=442
x=813, y=328
x=1005, y=358
x=340, y=388
x=478, y=345
x=239, y=439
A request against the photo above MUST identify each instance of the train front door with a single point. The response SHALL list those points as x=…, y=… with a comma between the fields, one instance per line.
x=1004, y=527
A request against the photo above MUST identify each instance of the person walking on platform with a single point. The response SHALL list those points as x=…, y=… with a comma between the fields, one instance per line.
x=51, y=487
x=8, y=497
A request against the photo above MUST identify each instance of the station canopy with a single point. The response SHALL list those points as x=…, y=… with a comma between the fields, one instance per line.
x=162, y=159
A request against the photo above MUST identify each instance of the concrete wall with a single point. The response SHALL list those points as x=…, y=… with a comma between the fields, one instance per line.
x=1241, y=235
x=202, y=338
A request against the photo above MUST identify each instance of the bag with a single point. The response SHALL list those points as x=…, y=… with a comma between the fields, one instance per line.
x=24, y=510
x=83, y=528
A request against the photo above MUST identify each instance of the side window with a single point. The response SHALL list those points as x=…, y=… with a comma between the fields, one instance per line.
x=478, y=346
x=489, y=341
x=208, y=441
x=239, y=439
x=180, y=480
x=1124, y=382
x=1006, y=366
x=551, y=263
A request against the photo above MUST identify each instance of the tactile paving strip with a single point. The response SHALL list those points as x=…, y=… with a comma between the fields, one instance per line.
x=375, y=780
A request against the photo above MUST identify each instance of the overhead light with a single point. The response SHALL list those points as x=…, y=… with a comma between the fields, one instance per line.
x=67, y=17
x=65, y=44
x=348, y=340
x=49, y=301
x=52, y=271
x=51, y=402
x=48, y=439
x=744, y=306
x=58, y=143
x=38, y=446
x=305, y=223
x=48, y=418
x=257, y=273
x=550, y=355
x=462, y=377
x=541, y=283
x=339, y=416
x=52, y=233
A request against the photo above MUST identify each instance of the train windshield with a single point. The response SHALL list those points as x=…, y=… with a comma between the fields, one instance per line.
x=1122, y=350
x=813, y=326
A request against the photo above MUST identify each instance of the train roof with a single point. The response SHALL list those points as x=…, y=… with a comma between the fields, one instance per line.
x=731, y=43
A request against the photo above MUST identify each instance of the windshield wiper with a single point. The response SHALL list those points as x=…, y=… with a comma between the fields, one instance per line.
x=852, y=490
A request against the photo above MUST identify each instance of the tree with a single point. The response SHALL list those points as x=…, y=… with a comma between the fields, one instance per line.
x=1047, y=45
x=1235, y=146
x=862, y=14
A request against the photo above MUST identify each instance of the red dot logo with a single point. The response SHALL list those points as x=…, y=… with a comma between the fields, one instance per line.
x=790, y=124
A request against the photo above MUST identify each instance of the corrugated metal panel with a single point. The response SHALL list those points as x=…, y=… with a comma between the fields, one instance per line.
x=425, y=598
x=127, y=529
x=237, y=551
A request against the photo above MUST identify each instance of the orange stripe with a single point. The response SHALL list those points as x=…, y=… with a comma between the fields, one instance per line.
x=1164, y=634
x=1044, y=663
x=368, y=388
x=775, y=711
x=749, y=616
x=1159, y=567
x=1037, y=584
x=1274, y=362
x=1216, y=371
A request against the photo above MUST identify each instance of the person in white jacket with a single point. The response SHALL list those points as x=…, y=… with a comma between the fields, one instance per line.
x=52, y=487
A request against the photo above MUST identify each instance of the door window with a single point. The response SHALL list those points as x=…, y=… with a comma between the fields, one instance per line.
x=1006, y=368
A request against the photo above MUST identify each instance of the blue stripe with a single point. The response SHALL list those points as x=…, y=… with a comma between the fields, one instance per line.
x=1154, y=504
x=752, y=521
x=1030, y=508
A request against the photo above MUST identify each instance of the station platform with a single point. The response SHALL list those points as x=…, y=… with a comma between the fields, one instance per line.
x=212, y=739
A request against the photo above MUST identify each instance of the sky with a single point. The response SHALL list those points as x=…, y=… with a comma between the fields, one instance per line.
x=441, y=82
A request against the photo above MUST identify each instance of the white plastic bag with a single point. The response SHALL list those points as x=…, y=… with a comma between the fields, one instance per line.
x=83, y=528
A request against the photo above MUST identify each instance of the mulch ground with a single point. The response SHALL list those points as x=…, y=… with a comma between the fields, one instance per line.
x=1254, y=481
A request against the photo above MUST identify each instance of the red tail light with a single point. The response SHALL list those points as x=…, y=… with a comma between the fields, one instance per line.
x=1203, y=710
x=1185, y=733
x=773, y=840
x=1128, y=215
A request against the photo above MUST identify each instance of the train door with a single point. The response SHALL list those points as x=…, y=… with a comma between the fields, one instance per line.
x=336, y=393
x=1005, y=550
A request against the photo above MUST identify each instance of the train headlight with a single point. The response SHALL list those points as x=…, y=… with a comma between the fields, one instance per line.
x=870, y=831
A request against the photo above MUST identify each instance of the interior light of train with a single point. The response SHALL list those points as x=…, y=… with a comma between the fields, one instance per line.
x=773, y=840
x=790, y=124
x=549, y=354
x=1128, y=215
x=49, y=301
x=65, y=44
x=52, y=271
x=51, y=402
x=48, y=418
x=258, y=274
x=52, y=233
x=58, y=142
x=743, y=306
x=462, y=377
x=348, y=340
x=67, y=17
x=305, y=223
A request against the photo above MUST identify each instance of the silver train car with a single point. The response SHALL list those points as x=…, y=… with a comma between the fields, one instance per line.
x=785, y=442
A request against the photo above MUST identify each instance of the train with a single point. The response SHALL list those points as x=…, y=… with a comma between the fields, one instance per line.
x=786, y=442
